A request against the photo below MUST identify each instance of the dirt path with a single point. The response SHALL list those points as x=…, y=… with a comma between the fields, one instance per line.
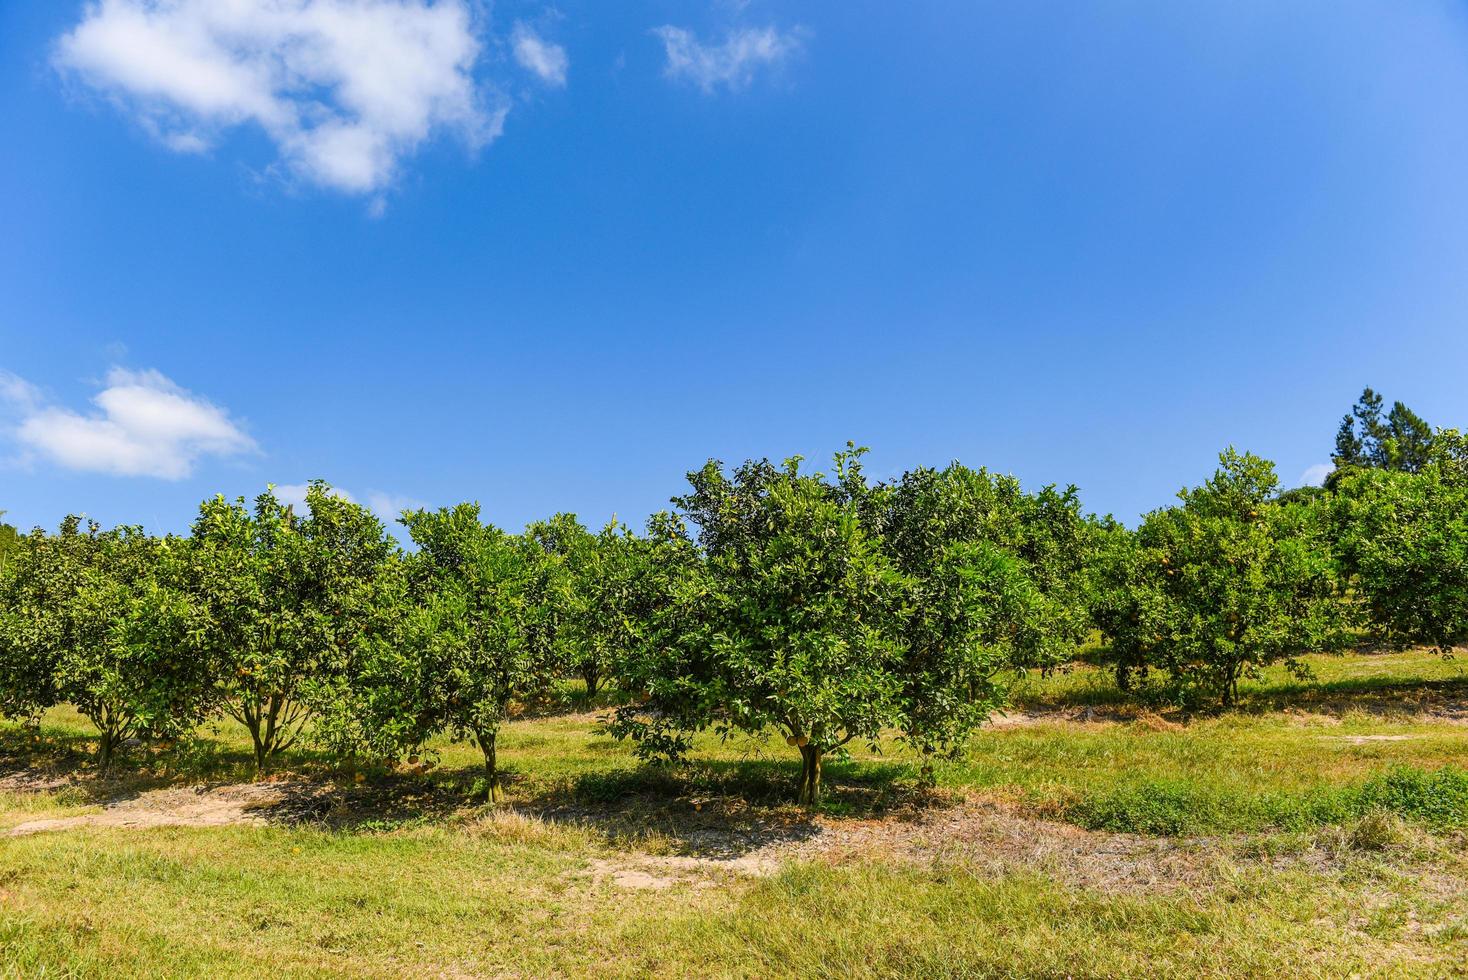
x=973, y=831
x=978, y=835
x=190, y=806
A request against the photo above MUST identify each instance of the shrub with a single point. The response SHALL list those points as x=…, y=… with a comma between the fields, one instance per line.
x=286, y=595
x=99, y=619
x=1230, y=581
x=1438, y=799
x=1404, y=539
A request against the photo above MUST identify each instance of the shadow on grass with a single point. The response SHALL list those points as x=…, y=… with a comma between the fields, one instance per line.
x=720, y=809
x=1444, y=698
x=1092, y=694
x=47, y=759
x=711, y=809
x=575, y=701
x=726, y=808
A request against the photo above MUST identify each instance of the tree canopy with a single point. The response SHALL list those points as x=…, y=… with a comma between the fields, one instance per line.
x=1367, y=439
x=1224, y=584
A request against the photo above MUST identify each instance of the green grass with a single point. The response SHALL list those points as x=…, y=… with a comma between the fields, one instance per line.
x=467, y=902
x=1234, y=772
x=1382, y=682
x=1296, y=753
x=1326, y=822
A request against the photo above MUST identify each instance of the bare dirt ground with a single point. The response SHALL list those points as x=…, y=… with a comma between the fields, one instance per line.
x=1421, y=706
x=967, y=831
x=963, y=829
x=188, y=806
x=974, y=833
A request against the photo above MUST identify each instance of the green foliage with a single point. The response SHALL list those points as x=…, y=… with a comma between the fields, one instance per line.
x=996, y=581
x=790, y=623
x=100, y=620
x=1400, y=441
x=287, y=597
x=830, y=609
x=607, y=601
x=9, y=543
x=1223, y=585
x=1044, y=535
x=1404, y=539
x=465, y=628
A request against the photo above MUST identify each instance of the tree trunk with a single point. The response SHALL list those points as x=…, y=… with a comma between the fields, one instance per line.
x=110, y=734
x=927, y=775
x=262, y=753
x=1231, y=685
x=491, y=765
x=592, y=676
x=273, y=721
x=252, y=714
x=105, y=747
x=810, y=775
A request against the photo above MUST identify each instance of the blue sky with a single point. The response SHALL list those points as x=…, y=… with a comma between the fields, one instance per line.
x=553, y=257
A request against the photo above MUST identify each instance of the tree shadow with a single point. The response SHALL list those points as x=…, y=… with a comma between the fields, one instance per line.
x=726, y=808
x=714, y=808
x=574, y=701
x=721, y=810
x=1095, y=693
x=1442, y=698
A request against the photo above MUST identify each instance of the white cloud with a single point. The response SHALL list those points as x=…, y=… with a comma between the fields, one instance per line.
x=17, y=393
x=145, y=425
x=389, y=506
x=539, y=56
x=1315, y=475
x=731, y=64
x=294, y=494
x=344, y=88
x=385, y=505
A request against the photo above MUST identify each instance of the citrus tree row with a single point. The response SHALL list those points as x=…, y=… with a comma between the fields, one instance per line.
x=824, y=607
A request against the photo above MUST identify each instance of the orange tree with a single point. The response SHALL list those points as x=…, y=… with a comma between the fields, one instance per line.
x=286, y=595
x=1226, y=583
x=830, y=610
x=1403, y=537
x=464, y=629
x=996, y=583
x=99, y=619
x=785, y=624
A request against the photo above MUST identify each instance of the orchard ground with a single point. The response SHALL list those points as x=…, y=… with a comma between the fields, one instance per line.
x=1319, y=829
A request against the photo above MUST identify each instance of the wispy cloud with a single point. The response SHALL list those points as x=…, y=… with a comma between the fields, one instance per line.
x=345, y=89
x=387, y=506
x=538, y=56
x=143, y=425
x=294, y=494
x=1315, y=475
x=17, y=394
x=732, y=63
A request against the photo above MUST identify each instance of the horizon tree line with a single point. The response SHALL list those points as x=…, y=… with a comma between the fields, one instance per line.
x=822, y=608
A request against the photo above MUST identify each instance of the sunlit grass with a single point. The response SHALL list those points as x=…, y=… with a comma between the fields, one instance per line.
x=420, y=879
x=436, y=902
x=1250, y=769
